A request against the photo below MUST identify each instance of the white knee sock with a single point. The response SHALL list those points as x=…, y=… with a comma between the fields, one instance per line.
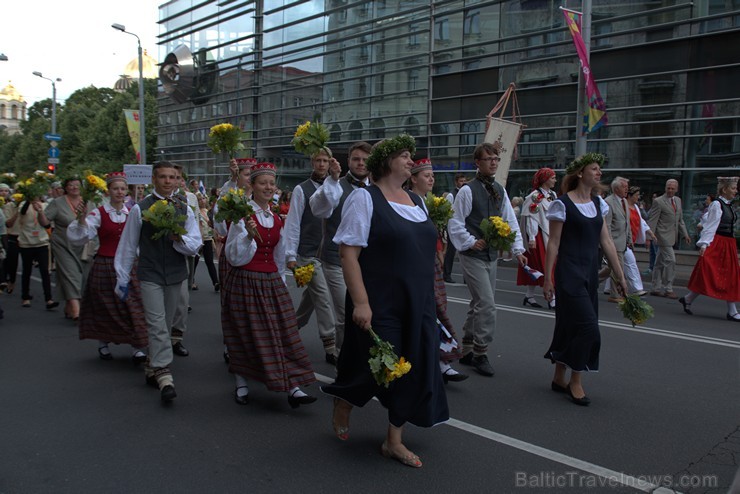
x=242, y=389
x=296, y=392
x=731, y=309
x=690, y=297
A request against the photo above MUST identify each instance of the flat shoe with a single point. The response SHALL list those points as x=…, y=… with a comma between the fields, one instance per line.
x=583, y=401
x=558, y=388
x=671, y=295
x=686, y=306
x=410, y=461
x=732, y=318
x=531, y=303
x=51, y=304
x=241, y=400
x=296, y=401
x=104, y=356
x=168, y=393
x=455, y=378
x=26, y=304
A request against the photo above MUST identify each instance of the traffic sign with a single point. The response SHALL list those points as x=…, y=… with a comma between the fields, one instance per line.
x=53, y=152
x=53, y=161
x=52, y=137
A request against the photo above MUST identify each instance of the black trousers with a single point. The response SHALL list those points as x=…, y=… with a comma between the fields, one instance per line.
x=207, y=252
x=11, y=259
x=40, y=255
x=449, y=259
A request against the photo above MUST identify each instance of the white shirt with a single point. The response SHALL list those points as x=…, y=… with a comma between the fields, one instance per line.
x=128, y=246
x=327, y=197
x=710, y=222
x=357, y=213
x=292, y=229
x=557, y=210
x=240, y=250
x=461, y=237
x=80, y=234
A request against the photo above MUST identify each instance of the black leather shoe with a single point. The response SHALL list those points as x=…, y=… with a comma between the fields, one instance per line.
x=483, y=366
x=558, y=388
x=467, y=359
x=449, y=279
x=138, y=359
x=216, y=287
x=105, y=356
x=51, y=304
x=583, y=401
x=180, y=350
x=529, y=302
x=330, y=359
x=152, y=381
x=296, y=401
x=168, y=393
x=455, y=378
x=686, y=306
x=241, y=400
x=731, y=318
x=227, y=359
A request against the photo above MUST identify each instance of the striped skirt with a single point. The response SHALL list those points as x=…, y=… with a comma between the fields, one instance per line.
x=440, y=299
x=102, y=314
x=261, y=331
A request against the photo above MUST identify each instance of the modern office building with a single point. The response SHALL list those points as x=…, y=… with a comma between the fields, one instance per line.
x=669, y=71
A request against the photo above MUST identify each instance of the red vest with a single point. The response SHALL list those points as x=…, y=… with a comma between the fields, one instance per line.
x=264, y=260
x=109, y=234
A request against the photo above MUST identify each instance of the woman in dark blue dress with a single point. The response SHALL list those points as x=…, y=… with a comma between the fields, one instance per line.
x=387, y=245
x=577, y=228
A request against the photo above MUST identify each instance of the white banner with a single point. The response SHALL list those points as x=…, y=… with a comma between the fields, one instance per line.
x=507, y=133
x=138, y=174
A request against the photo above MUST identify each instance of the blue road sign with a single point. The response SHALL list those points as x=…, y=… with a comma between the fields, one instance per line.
x=52, y=137
x=53, y=152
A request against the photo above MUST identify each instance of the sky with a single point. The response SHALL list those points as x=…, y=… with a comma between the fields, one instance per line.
x=72, y=40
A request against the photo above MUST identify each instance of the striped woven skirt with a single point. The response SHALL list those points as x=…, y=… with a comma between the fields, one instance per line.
x=261, y=331
x=102, y=314
x=440, y=299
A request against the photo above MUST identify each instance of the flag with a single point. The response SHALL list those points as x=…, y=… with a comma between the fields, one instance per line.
x=133, y=126
x=596, y=116
x=201, y=187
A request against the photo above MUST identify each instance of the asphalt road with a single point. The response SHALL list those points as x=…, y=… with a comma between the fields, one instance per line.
x=664, y=412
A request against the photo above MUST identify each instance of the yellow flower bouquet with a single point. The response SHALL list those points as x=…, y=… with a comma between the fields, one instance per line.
x=384, y=363
x=303, y=274
x=33, y=188
x=17, y=197
x=8, y=177
x=635, y=309
x=440, y=210
x=234, y=206
x=225, y=138
x=310, y=138
x=165, y=219
x=93, y=188
x=497, y=233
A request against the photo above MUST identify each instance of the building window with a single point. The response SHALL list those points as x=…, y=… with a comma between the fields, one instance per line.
x=379, y=84
x=14, y=112
x=413, y=82
x=440, y=139
x=362, y=88
x=470, y=137
x=411, y=126
x=377, y=129
x=413, y=36
x=297, y=101
x=355, y=131
x=442, y=30
x=336, y=133
x=471, y=24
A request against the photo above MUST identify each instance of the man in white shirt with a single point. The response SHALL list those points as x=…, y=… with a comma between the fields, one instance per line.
x=162, y=272
x=326, y=203
x=302, y=244
x=481, y=198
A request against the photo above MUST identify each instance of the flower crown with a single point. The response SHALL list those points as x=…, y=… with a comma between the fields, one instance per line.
x=382, y=150
x=584, y=161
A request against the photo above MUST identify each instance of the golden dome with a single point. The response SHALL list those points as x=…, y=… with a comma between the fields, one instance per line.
x=148, y=64
x=10, y=93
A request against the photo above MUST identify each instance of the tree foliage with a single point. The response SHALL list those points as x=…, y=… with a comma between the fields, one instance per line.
x=93, y=129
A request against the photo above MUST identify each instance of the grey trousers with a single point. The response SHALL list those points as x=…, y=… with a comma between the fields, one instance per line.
x=316, y=297
x=159, y=303
x=665, y=269
x=338, y=289
x=480, y=322
x=180, y=320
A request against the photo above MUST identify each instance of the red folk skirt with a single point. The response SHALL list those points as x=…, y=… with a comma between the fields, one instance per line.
x=535, y=260
x=717, y=273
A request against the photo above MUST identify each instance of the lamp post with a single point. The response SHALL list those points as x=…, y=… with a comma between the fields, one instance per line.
x=142, y=127
x=53, y=100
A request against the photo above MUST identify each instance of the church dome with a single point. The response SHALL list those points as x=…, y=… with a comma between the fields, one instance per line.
x=148, y=64
x=10, y=93
x=124, y=83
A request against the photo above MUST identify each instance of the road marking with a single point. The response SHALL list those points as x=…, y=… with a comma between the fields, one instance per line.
x=709, y=340
x=548, y=454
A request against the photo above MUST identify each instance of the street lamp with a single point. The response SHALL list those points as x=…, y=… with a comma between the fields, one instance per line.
x=53, y=100
x=142, y=128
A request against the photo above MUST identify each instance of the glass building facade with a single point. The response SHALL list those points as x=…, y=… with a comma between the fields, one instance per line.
x=669, y=71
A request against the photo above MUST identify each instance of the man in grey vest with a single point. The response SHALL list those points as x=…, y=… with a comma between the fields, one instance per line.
x=302, y=243
x=481, y=198
x=162, y=272
x=450, y=252
x=327, y=203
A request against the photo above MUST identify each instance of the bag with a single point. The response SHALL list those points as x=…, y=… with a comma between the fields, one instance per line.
x=505, y=132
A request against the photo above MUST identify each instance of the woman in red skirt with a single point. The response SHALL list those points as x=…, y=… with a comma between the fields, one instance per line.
x=717, y=273
x=103, y=316
x=257, y=316
x=536, y=232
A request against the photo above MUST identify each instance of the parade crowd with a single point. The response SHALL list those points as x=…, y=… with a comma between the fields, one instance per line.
x=377, y=265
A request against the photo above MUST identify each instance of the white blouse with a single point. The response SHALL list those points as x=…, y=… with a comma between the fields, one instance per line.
x=557, y=209
x=710, y=222
x=357, y=213
x=240, y=250
x=80, y=234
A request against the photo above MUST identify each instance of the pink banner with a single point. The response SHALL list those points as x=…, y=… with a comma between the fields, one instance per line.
x=596, y=116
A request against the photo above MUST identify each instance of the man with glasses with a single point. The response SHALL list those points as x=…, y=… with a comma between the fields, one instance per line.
x=481, y=198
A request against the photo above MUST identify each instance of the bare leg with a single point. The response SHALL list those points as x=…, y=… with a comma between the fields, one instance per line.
x=394, y=448
x=575, y=385
x=559, y=377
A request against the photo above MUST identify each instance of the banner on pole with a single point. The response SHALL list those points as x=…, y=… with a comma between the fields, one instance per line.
x=138, y=174
x=134, y=129
x=596, y=115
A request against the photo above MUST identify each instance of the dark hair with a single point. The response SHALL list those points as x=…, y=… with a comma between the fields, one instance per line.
x=486, y=147
x=163, y=164
x=361, y=145
x=67, y=180
x=384, y=167
x=459, y=176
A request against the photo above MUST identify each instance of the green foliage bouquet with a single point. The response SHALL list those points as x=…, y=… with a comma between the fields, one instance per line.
x=234, y=206
x=225, y=138
x=310, y=138
x=440, y=210
x=384, y=363
x=497, y=233
x=36, y=186
x=165, y=219
x=635, y=309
